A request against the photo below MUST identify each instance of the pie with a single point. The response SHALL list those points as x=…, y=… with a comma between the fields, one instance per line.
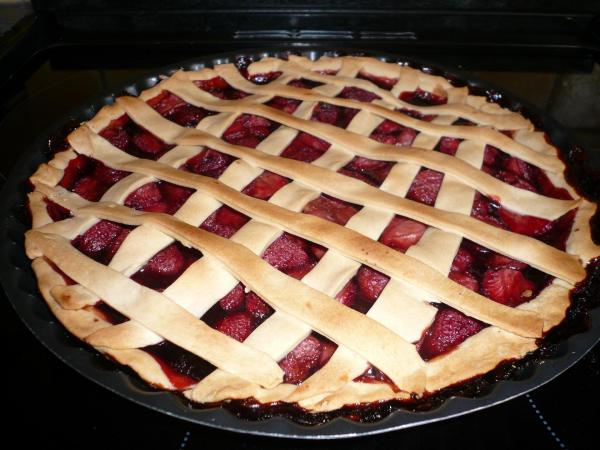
x=315, y=234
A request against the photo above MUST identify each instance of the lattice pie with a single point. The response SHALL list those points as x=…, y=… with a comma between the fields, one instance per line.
x=317, y=233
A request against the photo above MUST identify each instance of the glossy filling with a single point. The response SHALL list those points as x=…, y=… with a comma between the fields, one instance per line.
x=237, y=314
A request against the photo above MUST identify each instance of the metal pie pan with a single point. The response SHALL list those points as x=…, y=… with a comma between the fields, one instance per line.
x=20, y=286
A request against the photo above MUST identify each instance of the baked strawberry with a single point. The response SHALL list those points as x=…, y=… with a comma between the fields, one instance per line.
x=237, y=325
x=370, y=283
x=358, y=175
x=498, y=261
x=77, y=168
x=298, y=364
x=317, y=251
x=288, y=105
x=106, y=175
x=547, y=188
x=402, y=233
x=383, y=82
x=187, y=115
x=514, y=180
x=356, y=93
x=89, y=188
x=490, y=155
x=112, y=248
x=168, y=262
x=117, y=136
x=209, y=162
x=265, y=185
x=326, y=113
x=449, y=328
x=288, y=253
x=225, y=221
x=327, y=350
x=485, y=210
x=425, y=186
x=234, y=300
x=347, y=295
x=462, y=261
x=148, y=143
x=465, y=279
x=57, y=212
x=165, y=102
x=330, y=208
x=507, y=286
x=361, y=164
x=96, y=239
x=449, y=145
x=305, y=148
x=144, y=197
x=527, y=225
x=257, y=307
x=420, y=97
x=520, y=168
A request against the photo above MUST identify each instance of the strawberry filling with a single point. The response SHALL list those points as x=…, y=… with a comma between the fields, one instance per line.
x=371, y=171
x=225, y=221
x=425, y=186
x=249, y=130
x=128, y=136
x=402, y=233
x=166, y=266
x=102, y=240
x=265, y=185
x=209, y=163
x=89, y=178
x=305, y=147
x=264, y=78
x=178, y=110
x=220, y=88
x=520, y=174
x=362, y=290
x=382, y=82
x=158, y=196
x=238, y=313
x=331, y=208
x=306, y=358
x=420, y=97
x=392, y=133
x=291, y=255
x=56, y=212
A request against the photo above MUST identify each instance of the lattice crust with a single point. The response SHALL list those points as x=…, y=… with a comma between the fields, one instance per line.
x=385, y=336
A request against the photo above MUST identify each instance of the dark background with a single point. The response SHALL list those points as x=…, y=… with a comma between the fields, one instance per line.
x=67, y=52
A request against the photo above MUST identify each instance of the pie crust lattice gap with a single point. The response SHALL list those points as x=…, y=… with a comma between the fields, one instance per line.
x=336, y=176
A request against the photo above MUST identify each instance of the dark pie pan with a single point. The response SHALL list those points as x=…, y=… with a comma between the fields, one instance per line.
x=20, y=286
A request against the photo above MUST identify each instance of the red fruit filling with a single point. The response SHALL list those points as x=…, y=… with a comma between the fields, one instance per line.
x=225, y=221
x=402, y=233
x=420, y=97
x=449, y=328
x=249, y=130
x=265, y=185
x=56, y=212
x=109, y=314
x=102, y=240
x=331, y=208
x=519, y=173
x=374, y=375
x=362, y=290
x=333, y=115
x=371, y=171
x=553, y=233
x=304, y=83
x=382, y=82
x=158, y=196
x=178, y=110
x=89, y=178
x=305, y=147
x=166, y=266
x=356, y=93
x=448, y=145
x=284, y=104
x=306, y=358
x=182, y=367
x=291, y=255
x=125, y=134
x=264, y=78
x=209, y=163
x=220, y=88
x=238, y=313
x=392, y=133
x=417, y=114
x=425, y=186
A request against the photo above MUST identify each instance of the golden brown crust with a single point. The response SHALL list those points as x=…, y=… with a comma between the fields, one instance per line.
x=382, y=337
